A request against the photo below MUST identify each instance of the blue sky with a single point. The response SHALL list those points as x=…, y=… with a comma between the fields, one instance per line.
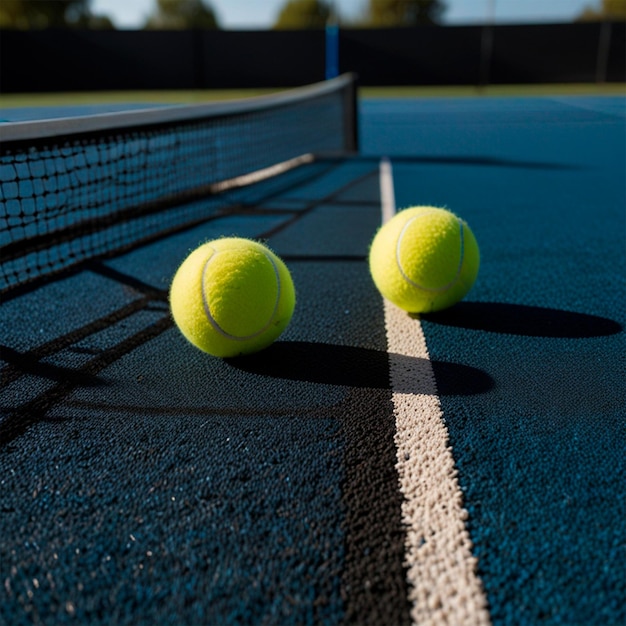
x=260, y=14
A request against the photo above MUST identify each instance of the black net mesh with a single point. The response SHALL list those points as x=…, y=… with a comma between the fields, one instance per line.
x=67, y=197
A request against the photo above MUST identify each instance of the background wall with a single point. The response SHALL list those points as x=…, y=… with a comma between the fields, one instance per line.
x=71, y=60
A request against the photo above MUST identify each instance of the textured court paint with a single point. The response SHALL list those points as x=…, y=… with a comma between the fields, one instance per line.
x=339, y=325
x=444, y=586
x=541, y=456
x=181, y=489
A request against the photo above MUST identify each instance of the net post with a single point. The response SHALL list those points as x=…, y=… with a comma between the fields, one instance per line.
x=332, y=45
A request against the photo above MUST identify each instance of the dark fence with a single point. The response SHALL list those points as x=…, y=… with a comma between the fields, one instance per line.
x=38, y=61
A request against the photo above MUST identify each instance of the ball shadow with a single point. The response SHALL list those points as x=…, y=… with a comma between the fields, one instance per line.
x=350, y=366
x=519, y=319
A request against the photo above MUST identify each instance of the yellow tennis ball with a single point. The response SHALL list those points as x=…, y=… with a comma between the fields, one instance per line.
x=424, y=259
x=232, y=296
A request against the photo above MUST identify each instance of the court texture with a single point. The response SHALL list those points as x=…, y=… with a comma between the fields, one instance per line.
x=371, y=466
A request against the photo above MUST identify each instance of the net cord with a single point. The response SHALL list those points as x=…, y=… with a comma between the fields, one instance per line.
x=17, y=132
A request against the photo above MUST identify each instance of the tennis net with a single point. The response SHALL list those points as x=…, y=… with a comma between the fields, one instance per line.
x=87, y=187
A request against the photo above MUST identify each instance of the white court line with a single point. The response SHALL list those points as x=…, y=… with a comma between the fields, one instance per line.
x=444, y=587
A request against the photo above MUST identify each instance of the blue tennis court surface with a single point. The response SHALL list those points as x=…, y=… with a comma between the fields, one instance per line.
x=144, y=482
x=541, y=455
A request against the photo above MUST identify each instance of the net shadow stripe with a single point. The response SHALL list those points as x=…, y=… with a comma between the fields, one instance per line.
x=322, y=168
x=25, y=416
x=328, y=199
x=19, y=289
x=478, y=161
x=149, y=291
x=347, y=203
x=319, y=167
x=190, y=411
x=17, y=361
x=23, y=363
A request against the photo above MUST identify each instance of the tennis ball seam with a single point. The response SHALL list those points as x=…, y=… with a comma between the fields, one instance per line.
x=213, y=321
x=435, y=264
x=417, y=285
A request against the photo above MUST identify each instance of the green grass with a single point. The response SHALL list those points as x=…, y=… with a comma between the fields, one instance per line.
x=148, y=97
x=199, y=96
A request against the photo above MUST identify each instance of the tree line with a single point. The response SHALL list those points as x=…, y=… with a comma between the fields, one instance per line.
x=294, y=14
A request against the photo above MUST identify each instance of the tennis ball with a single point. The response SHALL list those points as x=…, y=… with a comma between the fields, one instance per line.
x=232, y=296
x=424, y=259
